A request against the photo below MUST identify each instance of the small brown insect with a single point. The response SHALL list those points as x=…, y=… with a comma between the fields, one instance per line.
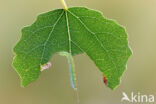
x=104, y=80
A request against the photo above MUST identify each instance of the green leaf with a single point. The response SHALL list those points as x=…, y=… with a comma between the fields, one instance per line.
x=76, y=30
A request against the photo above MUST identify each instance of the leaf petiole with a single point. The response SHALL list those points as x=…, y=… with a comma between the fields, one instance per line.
x=64, y=5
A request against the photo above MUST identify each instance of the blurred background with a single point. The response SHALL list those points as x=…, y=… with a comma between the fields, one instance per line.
x=53, y=85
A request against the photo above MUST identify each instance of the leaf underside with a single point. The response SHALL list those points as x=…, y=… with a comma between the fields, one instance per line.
x=77, y=30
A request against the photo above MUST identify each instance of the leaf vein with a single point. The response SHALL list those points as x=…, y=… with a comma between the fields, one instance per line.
x=95, y=37
x=50, y=36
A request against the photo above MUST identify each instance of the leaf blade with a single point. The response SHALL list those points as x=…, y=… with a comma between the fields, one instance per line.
x=78, y=30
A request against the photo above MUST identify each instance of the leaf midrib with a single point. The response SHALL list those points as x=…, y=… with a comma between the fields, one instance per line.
x=68, y=32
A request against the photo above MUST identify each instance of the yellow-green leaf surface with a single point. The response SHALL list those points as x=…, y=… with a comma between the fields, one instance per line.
x=77, y=30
